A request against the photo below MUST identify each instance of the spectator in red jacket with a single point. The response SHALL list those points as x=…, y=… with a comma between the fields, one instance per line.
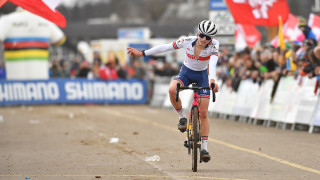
x=108, y=71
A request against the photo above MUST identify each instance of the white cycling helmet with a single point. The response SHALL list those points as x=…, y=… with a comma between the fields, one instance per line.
x=208, y=28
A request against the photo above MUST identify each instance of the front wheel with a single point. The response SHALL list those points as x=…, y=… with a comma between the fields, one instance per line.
x=195, y=137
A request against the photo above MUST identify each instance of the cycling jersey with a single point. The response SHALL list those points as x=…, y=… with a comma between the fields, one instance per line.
x=26, y=38
x=208, y=56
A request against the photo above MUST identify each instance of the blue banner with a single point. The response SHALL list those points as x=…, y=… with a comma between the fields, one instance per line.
x=72, y=91
x=218, y=5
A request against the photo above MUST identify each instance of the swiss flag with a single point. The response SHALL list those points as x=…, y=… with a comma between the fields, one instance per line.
x=43, y=8
x=258, y=12
x=314, y=24
x=2, y=2
x=250, y=33
x=291, y=29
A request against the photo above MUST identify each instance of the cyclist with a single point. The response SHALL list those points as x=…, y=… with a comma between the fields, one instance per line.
x=201, y=56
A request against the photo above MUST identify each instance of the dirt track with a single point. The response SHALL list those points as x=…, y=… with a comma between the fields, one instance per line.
x=72, y=142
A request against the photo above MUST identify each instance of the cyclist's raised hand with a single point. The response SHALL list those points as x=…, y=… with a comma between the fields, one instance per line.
x=216, y=87
x=133, y=51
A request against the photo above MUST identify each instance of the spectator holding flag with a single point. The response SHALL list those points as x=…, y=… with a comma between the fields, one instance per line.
x=308, y=34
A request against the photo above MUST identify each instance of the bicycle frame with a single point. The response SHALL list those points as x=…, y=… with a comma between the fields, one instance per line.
x=195, y=104
x=194, y=139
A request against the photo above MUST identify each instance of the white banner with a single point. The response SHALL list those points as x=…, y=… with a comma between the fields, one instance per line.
x=306, y=102
x=293, y=102
x=283, y=94
x=248, y=93
x=263, y=102
x=315, y=121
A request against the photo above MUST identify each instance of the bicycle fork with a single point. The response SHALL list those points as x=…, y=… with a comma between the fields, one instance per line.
x=189, y=135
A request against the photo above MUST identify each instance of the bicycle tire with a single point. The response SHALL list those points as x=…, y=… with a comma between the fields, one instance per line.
x=195, y=137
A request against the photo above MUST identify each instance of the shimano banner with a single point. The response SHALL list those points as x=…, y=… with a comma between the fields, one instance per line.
x=72, y=91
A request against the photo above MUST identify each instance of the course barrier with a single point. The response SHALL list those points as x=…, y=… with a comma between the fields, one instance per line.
x=72, y=91
x=294, y=103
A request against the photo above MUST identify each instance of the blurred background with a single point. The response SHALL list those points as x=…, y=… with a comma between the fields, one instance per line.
x=89, y=20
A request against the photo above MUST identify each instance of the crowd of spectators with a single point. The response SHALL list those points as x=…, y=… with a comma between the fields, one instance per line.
x=258, y=64
x=112, y=69
x=267, y=62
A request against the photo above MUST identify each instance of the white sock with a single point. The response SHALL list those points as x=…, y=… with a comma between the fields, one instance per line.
x=181, y=113
x=204, y=142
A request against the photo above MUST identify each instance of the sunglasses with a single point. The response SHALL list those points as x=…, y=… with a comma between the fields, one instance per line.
x=208, y=38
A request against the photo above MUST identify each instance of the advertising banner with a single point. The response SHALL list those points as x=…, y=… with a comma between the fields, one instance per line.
x=245, y=102
x=315, y=121
x=72, y=91
x=263, y=101
x=218, y=5
x=306, y=102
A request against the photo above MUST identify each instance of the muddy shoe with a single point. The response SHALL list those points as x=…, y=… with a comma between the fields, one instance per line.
x=205, y=156
x=182, y=126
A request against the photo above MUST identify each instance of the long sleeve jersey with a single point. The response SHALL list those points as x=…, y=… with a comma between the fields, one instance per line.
x=208, y=56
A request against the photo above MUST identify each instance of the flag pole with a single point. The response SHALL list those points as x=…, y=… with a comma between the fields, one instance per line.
x=281, y=37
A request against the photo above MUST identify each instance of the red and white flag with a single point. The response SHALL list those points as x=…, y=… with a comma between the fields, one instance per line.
x=240, y=43
x=258, y=12
x=291, y=29
x=43, y=8
x=250, y=33
x=2, y=2
x=314, y=24
x=275, y=41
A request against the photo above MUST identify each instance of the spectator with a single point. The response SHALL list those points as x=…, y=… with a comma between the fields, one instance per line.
x=65, y=72
x=96, y=57
x=314, y=56
x=269, y=63
x=55, y=68
x=123, y=71
x=304, y=61
x=308, y=34
x=108, y=71
x=224, y=56
x=74, y=70
x=138, y=70
x=94, y=74
x=235, y=68
x=84, y=69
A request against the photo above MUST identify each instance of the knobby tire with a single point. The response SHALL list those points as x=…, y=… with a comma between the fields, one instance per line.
x=195, y=121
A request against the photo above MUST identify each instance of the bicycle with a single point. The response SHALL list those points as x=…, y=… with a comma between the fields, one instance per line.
x=193, y=137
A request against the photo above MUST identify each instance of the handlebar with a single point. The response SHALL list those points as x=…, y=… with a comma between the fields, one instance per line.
x=195, y=88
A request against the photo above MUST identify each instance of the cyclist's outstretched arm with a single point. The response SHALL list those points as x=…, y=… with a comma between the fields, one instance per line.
x=155, y=50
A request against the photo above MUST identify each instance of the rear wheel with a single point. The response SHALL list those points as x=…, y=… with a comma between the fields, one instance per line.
x=195, y=137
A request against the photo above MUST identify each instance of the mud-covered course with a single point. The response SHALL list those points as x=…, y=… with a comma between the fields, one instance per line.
x=117, y=141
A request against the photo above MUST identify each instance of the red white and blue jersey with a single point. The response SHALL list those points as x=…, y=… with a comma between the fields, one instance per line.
x=188, y=44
